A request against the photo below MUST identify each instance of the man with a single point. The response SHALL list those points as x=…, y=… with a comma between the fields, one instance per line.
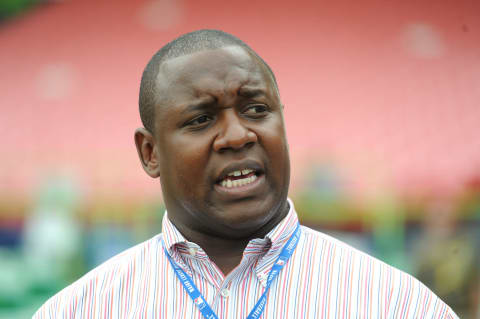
x=231, y=246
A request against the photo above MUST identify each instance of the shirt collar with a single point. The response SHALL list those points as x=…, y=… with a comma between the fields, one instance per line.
x=278, y=236
x=170, y=234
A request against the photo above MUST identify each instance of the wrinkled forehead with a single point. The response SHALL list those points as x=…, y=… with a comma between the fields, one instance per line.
x=227, y=68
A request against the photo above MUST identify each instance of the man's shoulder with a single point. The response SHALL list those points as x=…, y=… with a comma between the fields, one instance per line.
x=341, y=250
x=394, y=286
x=325, y=239
x=102, y=279
x=342, y=247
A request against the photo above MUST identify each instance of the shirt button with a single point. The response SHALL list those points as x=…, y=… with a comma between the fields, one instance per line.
x=192, y=251
x=263, y=276
x=225, y=293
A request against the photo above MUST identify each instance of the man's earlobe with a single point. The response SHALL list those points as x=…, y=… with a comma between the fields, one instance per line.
x=147, y=152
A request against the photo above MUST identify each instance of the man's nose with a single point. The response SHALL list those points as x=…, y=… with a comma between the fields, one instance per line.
x=233, y=135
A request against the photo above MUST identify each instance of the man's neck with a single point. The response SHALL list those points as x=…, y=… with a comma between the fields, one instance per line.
x=227, y=252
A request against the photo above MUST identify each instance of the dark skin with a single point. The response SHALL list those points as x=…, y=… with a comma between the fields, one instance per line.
x=218, y=112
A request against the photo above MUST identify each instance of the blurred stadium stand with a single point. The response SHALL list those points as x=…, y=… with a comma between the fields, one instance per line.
x=381, y=106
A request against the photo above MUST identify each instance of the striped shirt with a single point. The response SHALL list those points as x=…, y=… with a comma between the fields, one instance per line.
x=324, y=278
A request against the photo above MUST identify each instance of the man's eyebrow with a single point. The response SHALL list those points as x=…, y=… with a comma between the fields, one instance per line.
x=250, y=92
x=198, y=106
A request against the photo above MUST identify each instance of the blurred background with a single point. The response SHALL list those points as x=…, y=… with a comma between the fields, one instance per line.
x=382, y=106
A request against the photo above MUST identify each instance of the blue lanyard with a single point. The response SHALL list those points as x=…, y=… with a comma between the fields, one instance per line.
x=259, y=307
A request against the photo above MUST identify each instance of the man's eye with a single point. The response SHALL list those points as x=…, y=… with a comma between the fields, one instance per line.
x=256, y=110
x=199, y=121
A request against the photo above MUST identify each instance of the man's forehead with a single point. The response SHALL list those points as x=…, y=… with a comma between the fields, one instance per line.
x=232, y=63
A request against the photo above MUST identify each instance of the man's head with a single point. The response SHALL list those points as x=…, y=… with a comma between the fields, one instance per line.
x=192, y=42
x=215, y=135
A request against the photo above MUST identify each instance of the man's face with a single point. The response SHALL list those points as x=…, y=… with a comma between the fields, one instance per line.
x=220, y=141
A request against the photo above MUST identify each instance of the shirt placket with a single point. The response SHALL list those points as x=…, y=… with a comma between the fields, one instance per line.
x=201, y=268
x=228, y=287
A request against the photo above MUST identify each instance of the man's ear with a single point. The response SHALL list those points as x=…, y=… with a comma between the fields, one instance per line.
x=147, y=151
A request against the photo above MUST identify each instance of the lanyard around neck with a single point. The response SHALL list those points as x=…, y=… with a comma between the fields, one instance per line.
x=259, y=307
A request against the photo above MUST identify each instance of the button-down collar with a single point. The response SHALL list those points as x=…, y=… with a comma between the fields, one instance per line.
x=272, y=242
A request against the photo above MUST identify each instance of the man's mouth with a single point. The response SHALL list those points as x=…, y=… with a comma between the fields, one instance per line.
x=239, y=178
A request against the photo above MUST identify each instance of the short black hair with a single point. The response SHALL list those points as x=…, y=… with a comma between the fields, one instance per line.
x=189, y=43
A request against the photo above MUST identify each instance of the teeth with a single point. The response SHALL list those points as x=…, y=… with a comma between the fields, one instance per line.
x=242, y=172
x=236, y=173
x=238, y=182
